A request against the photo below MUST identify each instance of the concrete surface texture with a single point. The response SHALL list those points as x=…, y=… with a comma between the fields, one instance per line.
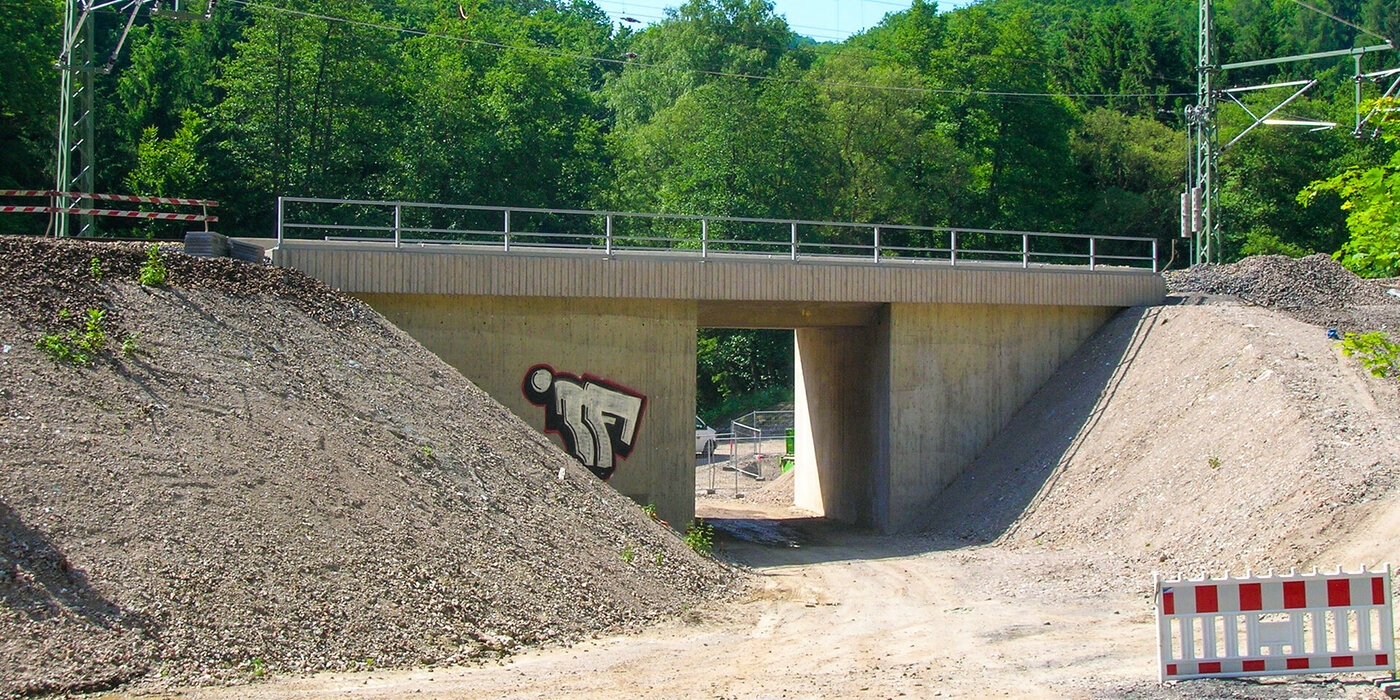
x=905, y=370
x=888, y=415
x=645, y=347
x=378, y=268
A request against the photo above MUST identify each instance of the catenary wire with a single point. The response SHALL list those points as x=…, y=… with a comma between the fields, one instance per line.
x=1339, y=19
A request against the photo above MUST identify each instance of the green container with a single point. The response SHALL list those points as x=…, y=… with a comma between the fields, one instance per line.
x=790, y=440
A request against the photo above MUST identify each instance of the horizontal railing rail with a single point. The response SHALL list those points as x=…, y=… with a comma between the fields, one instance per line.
x=384, y=221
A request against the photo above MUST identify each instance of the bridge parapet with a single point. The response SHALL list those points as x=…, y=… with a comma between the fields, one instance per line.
x=607, y=233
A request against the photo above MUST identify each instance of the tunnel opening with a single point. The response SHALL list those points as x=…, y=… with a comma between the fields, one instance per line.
x=744, y=423
x=786, y=389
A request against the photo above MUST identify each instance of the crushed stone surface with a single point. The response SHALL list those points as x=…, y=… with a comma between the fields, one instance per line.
x=1191, y=439
x=278, y=481
x=1315, y=289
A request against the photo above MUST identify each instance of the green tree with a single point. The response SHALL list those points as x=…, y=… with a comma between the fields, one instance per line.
x=896, y=164
x=742, y=370
x=741, y=37
x=1133, y=169
x=1371, y=198
x=28, y=102
x=505, y=126
x=312, y=106
x=1023, y=171
x=732, y=148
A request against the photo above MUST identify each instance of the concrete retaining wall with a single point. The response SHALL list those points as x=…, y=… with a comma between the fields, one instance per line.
x=957, y=374
x=646, y=347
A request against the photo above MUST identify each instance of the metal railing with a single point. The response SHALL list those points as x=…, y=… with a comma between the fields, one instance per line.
x=612, y=233
x=764, y=423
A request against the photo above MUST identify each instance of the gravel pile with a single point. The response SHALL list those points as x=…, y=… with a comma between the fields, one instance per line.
x=1315, y=290
x=1281, y=282
x=276, y=480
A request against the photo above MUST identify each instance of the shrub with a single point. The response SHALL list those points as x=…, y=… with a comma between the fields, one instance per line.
x=700, y=536
x=153, y=270
x=77, y=346
x=1376, y=351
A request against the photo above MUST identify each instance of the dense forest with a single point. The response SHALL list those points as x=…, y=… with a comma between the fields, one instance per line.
x=1054, y=115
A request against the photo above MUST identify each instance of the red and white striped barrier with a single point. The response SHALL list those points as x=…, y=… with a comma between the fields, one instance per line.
x=110, y=197
x=122, y=213
x=1274, y=625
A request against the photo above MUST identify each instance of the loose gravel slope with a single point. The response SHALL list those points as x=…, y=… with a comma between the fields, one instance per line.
x=277, y=480
x=1207, y=437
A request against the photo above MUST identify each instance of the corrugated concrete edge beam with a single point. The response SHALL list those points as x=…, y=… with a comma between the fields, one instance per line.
x=442, y=270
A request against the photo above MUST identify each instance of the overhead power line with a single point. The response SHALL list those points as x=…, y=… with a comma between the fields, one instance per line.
x=721, y=74
x=1329, y=15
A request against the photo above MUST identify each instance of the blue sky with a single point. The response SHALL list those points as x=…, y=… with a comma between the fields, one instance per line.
x=824, y=20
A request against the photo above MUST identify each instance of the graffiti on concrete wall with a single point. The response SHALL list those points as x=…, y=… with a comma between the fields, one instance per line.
x=597, y=419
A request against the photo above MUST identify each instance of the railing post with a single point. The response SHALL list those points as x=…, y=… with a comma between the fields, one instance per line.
x=704, y=238
x=607, y=240
x=279, y=222
x=398, y=222
x=505, y=233
x=1154, y=255
x=953, y=247
x=1025, y=251
x=794, y=240
x=877, y=244
x=1093, y=250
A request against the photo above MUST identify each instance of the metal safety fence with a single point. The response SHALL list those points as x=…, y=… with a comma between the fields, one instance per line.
x=747, y=456
x=612, y=233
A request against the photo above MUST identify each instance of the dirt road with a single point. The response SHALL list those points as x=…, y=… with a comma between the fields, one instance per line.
x=851, y=615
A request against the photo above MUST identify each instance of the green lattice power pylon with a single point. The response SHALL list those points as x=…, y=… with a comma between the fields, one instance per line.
x=1200, y=204
x=76, y=129
x=76, y=164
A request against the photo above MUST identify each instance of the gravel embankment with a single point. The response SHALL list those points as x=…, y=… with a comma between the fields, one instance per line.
x=279, y=481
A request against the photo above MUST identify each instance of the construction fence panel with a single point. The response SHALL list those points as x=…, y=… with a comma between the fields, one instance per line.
x=1274, y=625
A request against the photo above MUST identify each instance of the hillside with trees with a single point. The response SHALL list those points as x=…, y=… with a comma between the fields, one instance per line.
x=1050, y=115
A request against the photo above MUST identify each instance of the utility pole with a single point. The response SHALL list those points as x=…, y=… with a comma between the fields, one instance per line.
x=1201, y=196
x=76, y=166
x=1200, y=204
x=76, y=130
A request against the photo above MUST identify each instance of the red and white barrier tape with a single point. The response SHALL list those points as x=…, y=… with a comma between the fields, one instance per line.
x=122, y=213
x=110, y=197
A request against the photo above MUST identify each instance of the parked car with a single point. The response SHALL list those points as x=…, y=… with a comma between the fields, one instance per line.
x=704, y=438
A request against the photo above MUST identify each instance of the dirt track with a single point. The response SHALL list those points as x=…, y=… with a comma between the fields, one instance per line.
x=852, y=615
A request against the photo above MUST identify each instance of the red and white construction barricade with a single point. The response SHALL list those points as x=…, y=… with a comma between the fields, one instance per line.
x=1274, y=625
x=57, y=197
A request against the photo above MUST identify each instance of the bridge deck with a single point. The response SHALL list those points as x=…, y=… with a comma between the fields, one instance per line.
x=458, y=269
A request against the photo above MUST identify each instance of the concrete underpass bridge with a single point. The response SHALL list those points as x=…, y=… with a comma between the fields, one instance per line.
x=914, y=345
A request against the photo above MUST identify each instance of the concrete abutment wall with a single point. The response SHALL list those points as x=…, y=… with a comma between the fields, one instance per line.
x=888, y=413
x=957, y=375
x=646, y=347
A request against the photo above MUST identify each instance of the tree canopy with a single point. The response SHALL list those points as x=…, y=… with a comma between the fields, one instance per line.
x=1056, y=115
